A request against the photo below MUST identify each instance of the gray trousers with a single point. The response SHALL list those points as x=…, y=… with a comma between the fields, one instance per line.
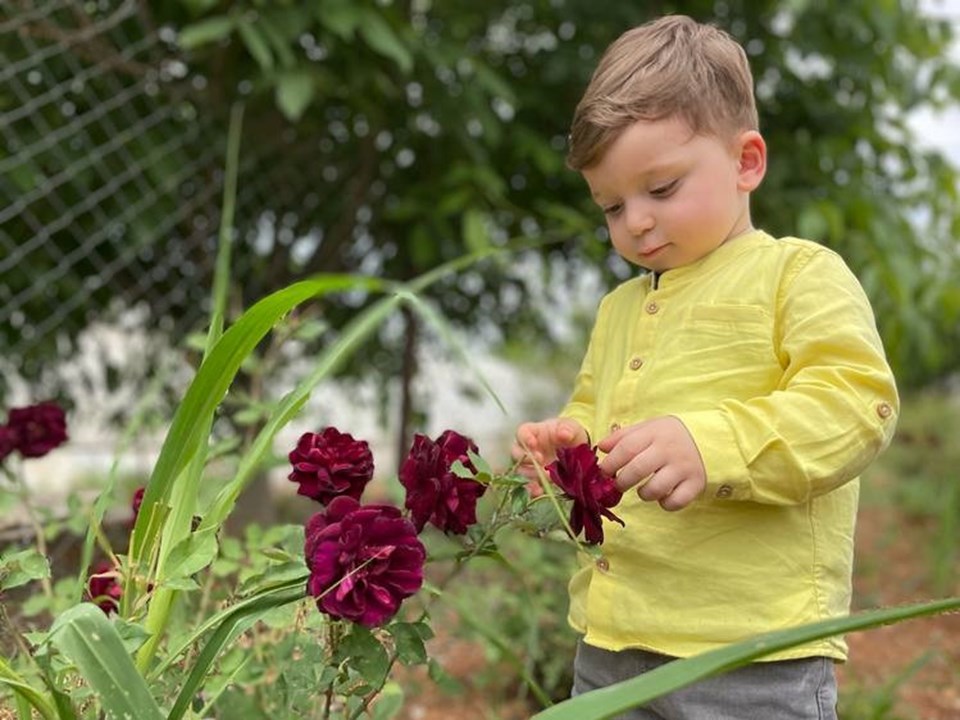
x=782, y=690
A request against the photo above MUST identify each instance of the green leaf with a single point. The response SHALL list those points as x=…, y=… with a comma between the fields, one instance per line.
x=389, y=702
x=27, y=693
x=20, y=568
x=256, y=44
x=611, y=701
x=475, y=235
x=90, y=641
x=295, y=92
x=340, y=17
x=380, y=36
x=206, y=31
x=408, y=639
x=365, y=654
x=297, y=584
x=229, y=627
x=191, y=555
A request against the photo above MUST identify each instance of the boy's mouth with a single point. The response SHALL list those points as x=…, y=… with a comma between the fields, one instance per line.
x=645, y=254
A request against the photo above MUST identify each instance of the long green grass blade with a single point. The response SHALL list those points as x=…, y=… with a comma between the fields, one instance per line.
x=213, y=621
x=449, y=335
x=610, y=701
x=26, y=693
x=230, y=626
x=187, y=432
x=131, y=430
x=221, y=274
x=91, y=642
x=355, y=333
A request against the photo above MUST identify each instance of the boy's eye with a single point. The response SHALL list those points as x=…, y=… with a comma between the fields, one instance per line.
x=609, y=210
x=662, y=191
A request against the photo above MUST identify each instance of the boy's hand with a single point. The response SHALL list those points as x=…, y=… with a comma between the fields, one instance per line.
x=661, y=457
x=538, y=442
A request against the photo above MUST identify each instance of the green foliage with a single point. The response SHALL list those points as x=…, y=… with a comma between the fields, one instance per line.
x=919, y=475
x=405, y=134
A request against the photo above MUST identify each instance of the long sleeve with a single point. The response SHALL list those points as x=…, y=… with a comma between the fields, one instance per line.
x=834, y=410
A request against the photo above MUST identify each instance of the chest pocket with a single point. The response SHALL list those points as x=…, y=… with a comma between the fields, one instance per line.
x=725, y=350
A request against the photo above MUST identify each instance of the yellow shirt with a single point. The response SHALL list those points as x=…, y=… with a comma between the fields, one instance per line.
x=767, y=351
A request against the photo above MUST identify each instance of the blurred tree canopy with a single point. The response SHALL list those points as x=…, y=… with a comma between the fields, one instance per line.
x=394, y=135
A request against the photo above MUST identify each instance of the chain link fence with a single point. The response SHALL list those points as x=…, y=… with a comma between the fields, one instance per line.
x=111, y=179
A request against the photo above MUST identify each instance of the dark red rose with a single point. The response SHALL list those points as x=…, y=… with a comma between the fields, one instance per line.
x=329, y=464
x=8, y=441
x=435, y=493
x=363, y=560
x=104, y=586
x=137, y=501
x=578, y=474
x=135, y=504
x=37, y=429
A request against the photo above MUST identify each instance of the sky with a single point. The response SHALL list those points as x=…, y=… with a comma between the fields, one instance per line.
x=942, y=130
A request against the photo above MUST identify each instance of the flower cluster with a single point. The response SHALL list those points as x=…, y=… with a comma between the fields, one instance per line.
x=364, y=560
x=578, y=474
x=33, y=431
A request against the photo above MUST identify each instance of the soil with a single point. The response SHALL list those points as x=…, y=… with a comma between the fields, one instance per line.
x=913, y=666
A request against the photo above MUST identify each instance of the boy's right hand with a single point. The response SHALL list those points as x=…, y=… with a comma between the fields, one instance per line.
x=537, y=442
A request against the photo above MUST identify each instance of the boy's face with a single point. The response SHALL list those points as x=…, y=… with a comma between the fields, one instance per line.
x=671, y=197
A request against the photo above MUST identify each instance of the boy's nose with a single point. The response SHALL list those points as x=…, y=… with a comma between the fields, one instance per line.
x=639, y=219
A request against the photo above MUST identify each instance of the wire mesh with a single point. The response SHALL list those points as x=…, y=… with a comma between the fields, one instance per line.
x=109, y=175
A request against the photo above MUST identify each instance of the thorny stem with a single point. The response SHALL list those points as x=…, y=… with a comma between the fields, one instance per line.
x=23, y=493
x=548, y=490
x=333, y=641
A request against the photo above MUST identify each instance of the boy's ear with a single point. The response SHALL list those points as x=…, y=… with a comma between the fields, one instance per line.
x=752, y=167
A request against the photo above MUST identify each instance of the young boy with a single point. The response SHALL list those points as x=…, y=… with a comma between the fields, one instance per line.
x=739, y=387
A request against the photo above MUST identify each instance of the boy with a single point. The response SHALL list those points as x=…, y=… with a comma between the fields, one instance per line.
x=741, y=382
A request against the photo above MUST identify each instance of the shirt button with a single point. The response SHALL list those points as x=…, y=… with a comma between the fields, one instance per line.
x=884, y=410
x=603, y=564
x=724, y=491
x=652, y=308
x=636, y=363
x=614, y=427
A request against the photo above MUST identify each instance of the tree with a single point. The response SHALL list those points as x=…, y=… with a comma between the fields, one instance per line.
x=387, y=137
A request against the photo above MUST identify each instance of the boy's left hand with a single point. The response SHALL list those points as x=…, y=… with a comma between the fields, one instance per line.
x=660, y=456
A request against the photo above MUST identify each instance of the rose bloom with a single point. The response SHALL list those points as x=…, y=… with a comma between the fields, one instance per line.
x=363, y=560
x=435, y=493
x=8, y=441
x=37, y=429
x=104, y=587
x=329, y=464
x=578, y=474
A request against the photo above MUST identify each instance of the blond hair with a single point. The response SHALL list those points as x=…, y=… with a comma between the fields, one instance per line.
x=670, y=67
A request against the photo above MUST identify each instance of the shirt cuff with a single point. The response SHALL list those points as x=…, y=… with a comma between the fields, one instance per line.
x=720, y=452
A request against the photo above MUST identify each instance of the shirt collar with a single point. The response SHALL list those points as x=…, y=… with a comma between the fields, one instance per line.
x=725, y=253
